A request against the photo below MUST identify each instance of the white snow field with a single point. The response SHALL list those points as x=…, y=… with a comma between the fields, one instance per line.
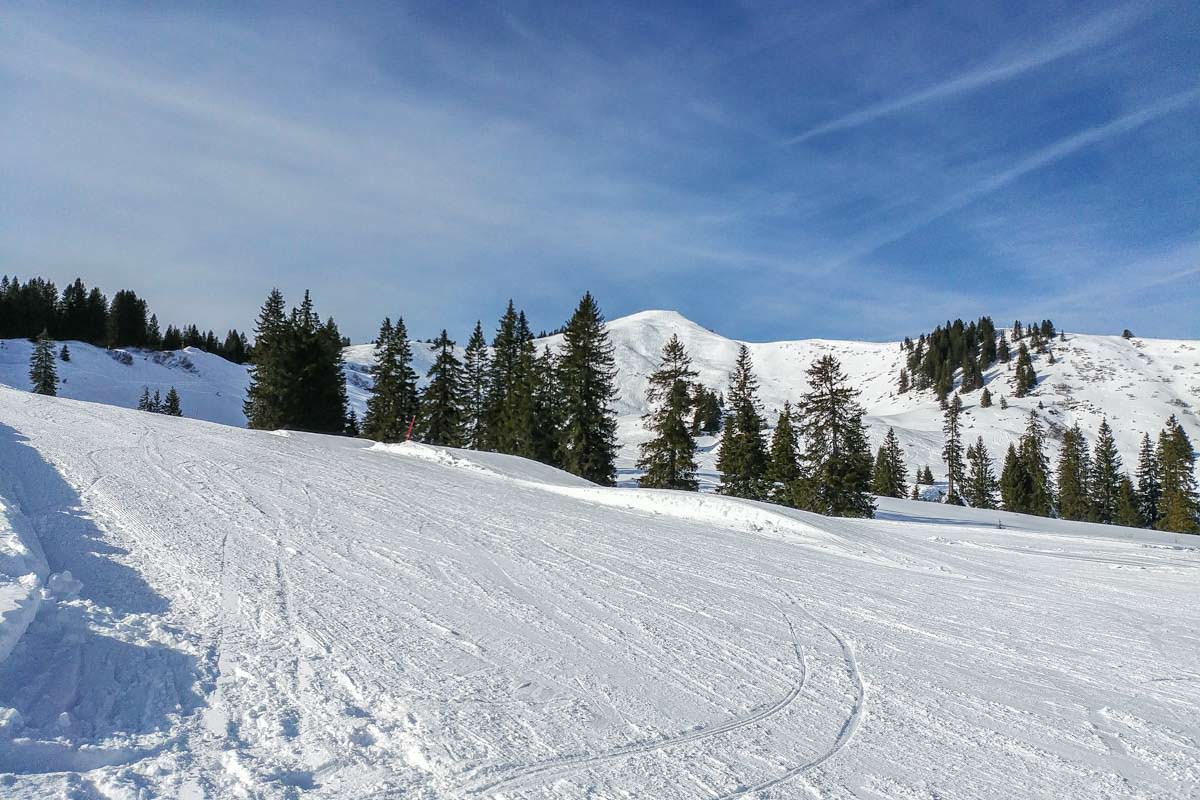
x=274, y=615
x=1136, y=382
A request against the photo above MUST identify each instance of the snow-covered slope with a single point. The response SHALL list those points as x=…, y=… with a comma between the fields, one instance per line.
x=278, y=616
x=1137, y=383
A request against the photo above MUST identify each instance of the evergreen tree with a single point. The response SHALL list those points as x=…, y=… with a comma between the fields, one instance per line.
x=547, y=408
x=153, y=334
x=502, y=369
x=1179, y=508
x=393, y=403
x=669, y=458
x=1149, y=490
x=1128, y=513
x=317, y=392
x=588, y=444
x=441, y=407
x=1074, y=477
x=144, y=402
x=985, y=399
x=266, y=398
x=1015, y=484
x=904, y=386
x=980, y=486
x=916, y=492
x=352, y=428
x=127, y=325
x=1026, y=377
x=173, y=339
x=707, y=417
x=783, y=460
x=1003, y=403
x=890, y=475
x=1033, y=460
x=742, y=458
x=837, y=455
x=170, y=405
x=475, y=389
x=64, y=354
x=952, y=451
x=1002, y=353
x=42, y=372
x=516, y=423
x=1106, y=476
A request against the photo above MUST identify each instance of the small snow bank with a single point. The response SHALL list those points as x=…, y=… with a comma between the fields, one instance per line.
x=916, y=511
x=23, y=571
x=495, y=464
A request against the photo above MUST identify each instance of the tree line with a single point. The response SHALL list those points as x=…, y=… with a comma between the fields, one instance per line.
x=554, y=406
x=35, y=307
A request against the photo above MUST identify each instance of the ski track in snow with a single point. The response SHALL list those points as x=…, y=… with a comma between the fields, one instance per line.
x=299, y=616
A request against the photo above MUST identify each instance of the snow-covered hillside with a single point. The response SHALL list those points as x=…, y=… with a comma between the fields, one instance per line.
x=264, y=615
x=1137, y=383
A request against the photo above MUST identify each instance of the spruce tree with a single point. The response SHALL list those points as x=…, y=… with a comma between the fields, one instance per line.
x=783, y=459
x=1003, y=403
x=1015, y=484
x=64, y=354
x=1106, y=476
x=1149, y=490
x=441, y=407
x=516, y=422
x=588, y=444
x=475, y=389
x=707, y=417
x=1074, y=477
x=985, y=399
x=547, y=408
x=890, y=476
x=1026, y=378
x=837, y=455
x=317, y=398
x=742, y=459
x=1179, y=508
x=1128, y=513
x=269, y=371
x=502, y=369
x=669, y=458
x=1002, y=353
x=352, y=427
x=1033, y=461
x=144, y=400
x=393, y=402
x=980, y=485
x=42, y=372
x=171, y=406
x=952, y=451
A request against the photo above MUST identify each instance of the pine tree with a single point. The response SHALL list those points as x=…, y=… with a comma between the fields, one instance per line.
x=669, y=458
x=1179, y=508
x=1106, y=476
x=317, y=400
x=42, y=372
x=269, y=373
x=352, y=427
x=1149, y=489
x=904, y=386
x=144, y=400
x=837, y=455
x=985, y=399
x=742, y=459
x=952, y=451
x=1033, y=460
x=394, y=401
x=475, y=389
x=1026, y=378
x=502, y=368
x=588, y=444
x=1002, y=353
x=516, y=422
x=890, y=474
x=980, y=486
x=916, y=492
x=707, y=418
x=441, y=407
x=1128, y=513
x=1015, y=484
x=171, y=406
x=127, y=320
x=783, y=460
x=1074, y=477
x=547, y=408
x=64, y=354
x=1003, y=403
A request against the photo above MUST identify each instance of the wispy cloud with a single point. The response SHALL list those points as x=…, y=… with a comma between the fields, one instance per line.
x=1096, y=32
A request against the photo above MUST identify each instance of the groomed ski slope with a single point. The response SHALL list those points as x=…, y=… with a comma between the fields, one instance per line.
x=276, y=615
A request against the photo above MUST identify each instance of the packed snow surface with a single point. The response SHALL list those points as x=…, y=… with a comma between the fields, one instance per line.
x=275, y=616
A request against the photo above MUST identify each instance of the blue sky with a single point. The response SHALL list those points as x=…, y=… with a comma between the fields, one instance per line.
x=787, y=170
